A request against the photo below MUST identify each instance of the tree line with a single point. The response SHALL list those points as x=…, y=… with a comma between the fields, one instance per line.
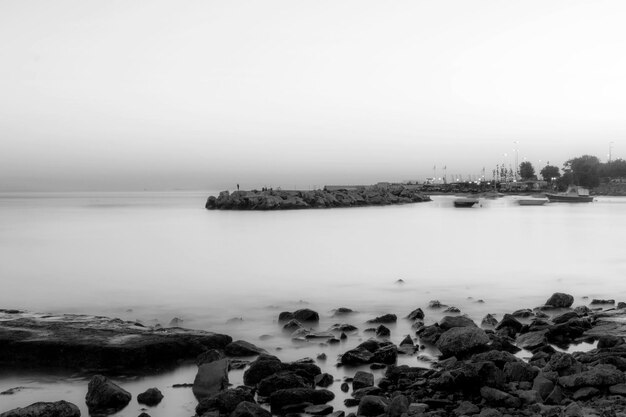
x=586, y=171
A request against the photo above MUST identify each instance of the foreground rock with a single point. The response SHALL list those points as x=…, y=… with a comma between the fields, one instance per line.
x=211, y=378
x=283, y=200
x=90, y=342
x=150, y=397
x=41, y=409
x=105, y=396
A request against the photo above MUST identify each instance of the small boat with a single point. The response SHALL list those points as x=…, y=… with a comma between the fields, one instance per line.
x=465, y=202
x=574, y=194
x=532, y=201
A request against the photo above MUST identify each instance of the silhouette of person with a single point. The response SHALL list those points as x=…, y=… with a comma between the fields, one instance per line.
x=237, y=187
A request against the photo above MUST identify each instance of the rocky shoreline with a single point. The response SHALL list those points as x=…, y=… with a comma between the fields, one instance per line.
x=477, y=371
x=295, y=199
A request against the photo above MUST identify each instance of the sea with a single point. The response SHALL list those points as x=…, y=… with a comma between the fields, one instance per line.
x=156, y=256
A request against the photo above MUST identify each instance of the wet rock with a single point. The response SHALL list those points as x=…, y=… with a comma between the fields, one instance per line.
x=560, y=300
x=524, y=313
x=345, y=387
x=242, y=348
x=292, y=325
x=319, y=410
x=285, y=316
x=323, y=380
x=249, y=409
x=565, y=317
x=430, y=334
x=150, y=397
x=528, y=396
x=466, y=408
x=497, y=397
x=416, y=314
x=509, y=326
x=461, y=341
x=264, y=366
x=343, y=327
x=407, y=341
x=211, y=377
x=382, y=331
x=225, y=402
x=105, y=395
x=285, y=397
x=371, y=406
x=543, y=385
x=362, y=392
x=489, y=321
x=532, y=340
x=306, y=315
x=357, y=356
x=281, y=380
x=585, y=393
x=519, y=371
x=208, y=356
x=566, y=333
x=618, y=389
x=609, y=341
x=435, y=304
x=621, y=305
x=452, y=309
x=362, y=380
x=449, y=322
x=45, y=409
x=342, y=311
x=399, y=405
x=384, y=319
x=600, y=375
x=387, y=354
x=596, y=301
x=555, y=397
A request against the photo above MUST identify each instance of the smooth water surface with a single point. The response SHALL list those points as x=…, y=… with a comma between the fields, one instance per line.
x=155, y=256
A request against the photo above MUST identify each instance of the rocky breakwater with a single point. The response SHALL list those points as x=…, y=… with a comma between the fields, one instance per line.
x=289, y=199
x=29, y=340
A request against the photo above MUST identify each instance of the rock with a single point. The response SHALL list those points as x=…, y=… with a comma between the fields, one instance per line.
x=466, y=408
x=452, y=309
x=242, y=348
x=543, y=385
x=524, y=313
x=249, y=409
x=528, y=396
x=489, y=412
x=600, y=375
x=618, y=389
x=560, y=300
x=435, y=304
x=323, y=380
x=362, y=392
x=150, y=397
x=284, y=397
x=495, y=396
x=104, y=395
x=621, y=305
x=362, y=379
x=319, y=410
x=407, y=341
x=449, y=322
x=345, y=387
x=339, y=414
x=386, y=354
x=573, y=410
x=489, y=321
x=342, y=311
x=306, y=315
x=565, y=317
x=399, y=405
x=596, y=301
x=281, y=380
x=532, y=340
x=385, y=319
x=264, y=366
x=382, y=331
x=208, y=356
x=79, y=342
x=585, y=393
x=45, y=409
x=555, y=397
x=211, y=378
x=416, y=314
x=609, y=341
x=225, y=402
x=292, y=325
x=357, y=356
x=461, y=341
x=430, y=334
x=285, y=316
x=519, y=371
x=343, y=327
x=509, y=326
x=372, y=405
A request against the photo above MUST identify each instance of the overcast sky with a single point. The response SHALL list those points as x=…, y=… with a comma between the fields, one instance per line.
x=206, y=94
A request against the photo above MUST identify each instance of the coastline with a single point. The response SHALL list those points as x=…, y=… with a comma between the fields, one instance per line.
x=479, y=368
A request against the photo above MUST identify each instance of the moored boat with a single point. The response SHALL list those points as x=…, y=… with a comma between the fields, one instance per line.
x=532, y=201
x=574, y=194
x=465, y=202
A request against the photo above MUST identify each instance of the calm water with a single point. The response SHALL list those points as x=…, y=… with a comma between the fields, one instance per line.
x=156, y=256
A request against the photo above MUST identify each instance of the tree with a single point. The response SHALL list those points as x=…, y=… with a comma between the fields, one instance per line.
x=550, y=171
x=585, y=170
x=526, y=170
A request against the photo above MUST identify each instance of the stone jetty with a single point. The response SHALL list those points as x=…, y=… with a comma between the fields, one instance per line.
x=327, y=198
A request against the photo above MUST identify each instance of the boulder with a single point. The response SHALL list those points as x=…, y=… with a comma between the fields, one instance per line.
x=618, y=389
x=497, y=397
x=211, y=378
x=342, y=311
x=105, y=395
x=387, y=354
x=565, y=317
x=596, y=301
x=382, y=331
x=45, y=409
x=306, y=315
x=461, y=341
x=407, y=341
x=384, y=319
x=372, y=405
x=560, y=300
x=150, y=397
x=416, y=314
x=519, y=371
x=250, y=409
x=285, y=397
x=319, y=410
x=509, y=326
x=264, y=366
x=531, y=340
x=430, y=334
x=323, y=380
x=281, y=380
x=242, y=348
x=292, y=325
x=357, y=356
x=449, y=322
x=600, y=375
x=210, y=355
x=523, y=313
x=489, y=321
x=399, y=406
x=225, y=402
x=362, y=380
x=466, y=408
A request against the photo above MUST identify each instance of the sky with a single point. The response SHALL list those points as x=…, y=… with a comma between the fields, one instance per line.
x=159, y=95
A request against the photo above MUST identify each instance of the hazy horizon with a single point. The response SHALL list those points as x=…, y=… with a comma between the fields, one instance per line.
x=117, y=95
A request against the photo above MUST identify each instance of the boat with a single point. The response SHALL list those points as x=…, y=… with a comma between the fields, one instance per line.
x=574, y=194
x=532, y=201
x=465, y=202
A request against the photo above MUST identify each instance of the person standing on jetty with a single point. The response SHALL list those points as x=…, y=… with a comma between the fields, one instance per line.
x=237, y=187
